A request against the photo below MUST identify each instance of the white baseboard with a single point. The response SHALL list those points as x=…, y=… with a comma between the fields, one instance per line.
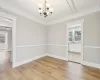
x=83, y=63
x=16, y=64
x=95, y=65
x=58, y=57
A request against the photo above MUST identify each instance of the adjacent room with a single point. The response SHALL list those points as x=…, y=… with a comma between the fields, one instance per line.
x=49, y=39
x=75, y=43
x=5, y=44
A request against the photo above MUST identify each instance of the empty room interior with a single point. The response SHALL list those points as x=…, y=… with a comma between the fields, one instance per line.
x=49, y=39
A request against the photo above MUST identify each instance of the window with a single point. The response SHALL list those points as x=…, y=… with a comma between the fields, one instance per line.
x=70, y=36
x=2, y=38
x=75, y=34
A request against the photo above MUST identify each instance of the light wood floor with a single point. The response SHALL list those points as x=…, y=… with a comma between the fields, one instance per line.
x=48, y=68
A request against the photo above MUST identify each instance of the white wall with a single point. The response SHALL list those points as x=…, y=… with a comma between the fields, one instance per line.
x=92, y=38
x=57, y=38
x=30, y=39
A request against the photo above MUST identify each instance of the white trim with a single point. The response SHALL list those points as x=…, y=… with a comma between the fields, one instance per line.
x=13, y=57
x=5, y=50
x=73, y=24
x=55, y=56
x=31, y=45
x=75, y=15
x=70, y=5
x=16, y=64
x=92, y=47
x=82, y=41
x=6, y=16
x=6, y=19
x=67, y=41
x=42, y=45
x=21, y=13
x=95, y=65
x=57, y=45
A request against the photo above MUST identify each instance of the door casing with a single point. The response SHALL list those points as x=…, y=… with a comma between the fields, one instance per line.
x=72, y=24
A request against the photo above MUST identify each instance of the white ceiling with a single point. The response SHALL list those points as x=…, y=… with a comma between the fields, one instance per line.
x=62, y=8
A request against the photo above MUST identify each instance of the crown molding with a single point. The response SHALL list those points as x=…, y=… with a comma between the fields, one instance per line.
x=6, y=16
x=75, y=15
x=20, y=13
x=75, y=22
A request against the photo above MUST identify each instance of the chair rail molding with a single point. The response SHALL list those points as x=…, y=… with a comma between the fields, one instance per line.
x=31, y=45
x=92, y=47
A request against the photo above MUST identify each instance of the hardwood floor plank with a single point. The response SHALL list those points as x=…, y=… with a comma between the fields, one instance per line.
x=48, y=68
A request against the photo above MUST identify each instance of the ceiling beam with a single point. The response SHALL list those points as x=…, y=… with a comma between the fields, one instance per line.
x=71, y=5
x=74, y=6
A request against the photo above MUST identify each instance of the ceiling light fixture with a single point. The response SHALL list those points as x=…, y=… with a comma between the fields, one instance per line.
x=45, y=9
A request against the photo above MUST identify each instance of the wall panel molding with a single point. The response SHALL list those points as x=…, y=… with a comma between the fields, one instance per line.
x=30, y=45
x=57, y=45
x=98, y=47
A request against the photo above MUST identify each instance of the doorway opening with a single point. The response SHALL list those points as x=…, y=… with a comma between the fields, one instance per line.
x=75, y=42
x=7, y=40
x=5, y=46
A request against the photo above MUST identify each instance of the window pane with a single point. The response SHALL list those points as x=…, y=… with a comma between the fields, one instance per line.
x=70, y=36
x=77, y=35
x=2, y=38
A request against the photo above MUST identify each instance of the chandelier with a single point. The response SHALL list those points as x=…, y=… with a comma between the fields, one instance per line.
x=45, y=9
